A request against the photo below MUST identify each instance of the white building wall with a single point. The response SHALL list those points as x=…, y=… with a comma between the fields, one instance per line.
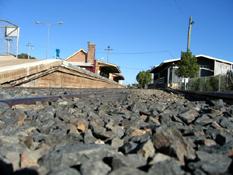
x=221, y=68
x=120, y=82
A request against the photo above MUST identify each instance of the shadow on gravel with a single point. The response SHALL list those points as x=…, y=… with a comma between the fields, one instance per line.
x=26, y=171
x=7, y=169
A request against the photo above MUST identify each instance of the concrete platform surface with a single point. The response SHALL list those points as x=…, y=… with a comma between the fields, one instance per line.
x=11, y=60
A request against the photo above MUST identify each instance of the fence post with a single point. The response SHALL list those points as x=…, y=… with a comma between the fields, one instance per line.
x=219, y=83
x=204, y=85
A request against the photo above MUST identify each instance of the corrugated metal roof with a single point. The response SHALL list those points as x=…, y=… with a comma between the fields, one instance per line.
x=214, y=58
x=197, y=56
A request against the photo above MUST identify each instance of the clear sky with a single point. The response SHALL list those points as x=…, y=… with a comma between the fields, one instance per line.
x=142, y=33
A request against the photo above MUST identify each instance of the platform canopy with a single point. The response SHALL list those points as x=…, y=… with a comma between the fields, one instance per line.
x=108, y=67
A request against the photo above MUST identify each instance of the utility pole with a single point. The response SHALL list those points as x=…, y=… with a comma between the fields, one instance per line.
x=108, y=50
x=191, y=22
x=30, y=47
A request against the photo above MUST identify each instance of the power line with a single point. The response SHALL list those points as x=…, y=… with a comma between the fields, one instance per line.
x=132, y=68
x=142, y=53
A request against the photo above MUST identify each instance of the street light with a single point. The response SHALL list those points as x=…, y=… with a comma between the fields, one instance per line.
x=49, y=25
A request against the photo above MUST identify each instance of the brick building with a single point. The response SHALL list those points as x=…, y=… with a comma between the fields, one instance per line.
x=88, y=61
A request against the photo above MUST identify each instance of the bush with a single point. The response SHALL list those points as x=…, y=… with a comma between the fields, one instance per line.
x=229, y=80
x=25, y=56
x=203, y=84
x=193, y=84
x=212, y=84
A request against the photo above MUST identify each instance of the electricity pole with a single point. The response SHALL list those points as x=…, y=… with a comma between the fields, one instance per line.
x=191, y=22
x=108, y=50
x=30, y=47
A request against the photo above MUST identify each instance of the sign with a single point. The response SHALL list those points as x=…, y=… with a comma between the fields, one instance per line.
x=57, y=53
x=11, y=31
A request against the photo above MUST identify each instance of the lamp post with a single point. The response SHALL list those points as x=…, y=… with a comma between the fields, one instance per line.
x=49, y=25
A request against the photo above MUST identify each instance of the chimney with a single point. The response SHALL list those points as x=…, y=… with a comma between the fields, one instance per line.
x=91, y=53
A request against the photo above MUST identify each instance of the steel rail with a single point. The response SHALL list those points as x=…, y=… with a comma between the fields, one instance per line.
x=226, y=96
x=32, y=100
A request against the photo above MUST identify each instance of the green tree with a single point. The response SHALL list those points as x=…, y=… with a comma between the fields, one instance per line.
x=188, y=67
x=25, y=56
x=143, y=78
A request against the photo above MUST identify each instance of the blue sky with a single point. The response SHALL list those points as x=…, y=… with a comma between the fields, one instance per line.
x=142, y=33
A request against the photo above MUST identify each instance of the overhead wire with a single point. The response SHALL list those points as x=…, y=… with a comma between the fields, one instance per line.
x=140, y=52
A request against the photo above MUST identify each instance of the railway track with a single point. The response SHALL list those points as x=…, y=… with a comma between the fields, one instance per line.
x=111, y=94
x=194, y=95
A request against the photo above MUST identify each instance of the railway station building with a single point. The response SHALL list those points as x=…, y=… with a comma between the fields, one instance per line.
x=55, y=73
x=164, y=75
x=88, y=61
